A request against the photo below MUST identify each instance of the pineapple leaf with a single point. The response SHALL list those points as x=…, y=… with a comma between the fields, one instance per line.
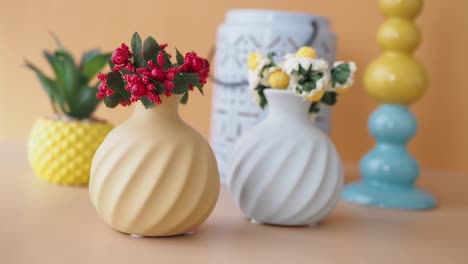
x=62, y=54
x=89, y=55
x=86, y=102
x=94, y=65
x=57, y=65
x=150, y=48
x=137, y=50
x=50, y=86
x=72, y=79
x=57, y=41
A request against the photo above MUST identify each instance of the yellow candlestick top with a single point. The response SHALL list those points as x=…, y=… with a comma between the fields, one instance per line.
x=395, y=76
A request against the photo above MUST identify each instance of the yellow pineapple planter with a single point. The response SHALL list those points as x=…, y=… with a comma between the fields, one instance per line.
x=61, y=151
x=61, y=148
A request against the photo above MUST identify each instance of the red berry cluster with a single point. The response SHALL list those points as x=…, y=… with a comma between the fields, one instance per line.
x=103, y=89
x=121, y=58
x=141, y=81
x=196, y=64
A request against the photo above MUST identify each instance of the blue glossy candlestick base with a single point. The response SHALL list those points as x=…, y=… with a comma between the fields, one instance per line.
x=388, y=196
x=388, y=170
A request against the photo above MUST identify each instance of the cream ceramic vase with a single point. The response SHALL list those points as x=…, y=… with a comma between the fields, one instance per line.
x=285, y=171
x=154, y=175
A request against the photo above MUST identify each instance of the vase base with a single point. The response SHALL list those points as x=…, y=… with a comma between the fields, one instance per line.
x=388, y=196
x=189, y=233
x=253, y=221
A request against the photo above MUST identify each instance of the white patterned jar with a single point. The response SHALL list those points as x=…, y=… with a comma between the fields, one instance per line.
x=285, y=171
x=244, y=31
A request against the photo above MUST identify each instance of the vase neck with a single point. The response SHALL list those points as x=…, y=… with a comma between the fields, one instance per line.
x=284, y=104
x=169, y=109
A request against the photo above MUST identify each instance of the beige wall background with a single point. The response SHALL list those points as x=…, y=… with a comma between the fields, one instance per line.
x=84, y=24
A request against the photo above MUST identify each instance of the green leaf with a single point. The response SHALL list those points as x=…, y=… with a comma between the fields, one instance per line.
x=111, y=64
x=86, y=102
x=89, y=55
x=261, y=92
x=340, y=74
x=309, y=86
x=167, y=60
x=314, y=107
x=125, y=72
x=184, y=98
x=160, y=88
x=113, y=100
x=329, y=98
x=116, y=83
x=146, y=102
x=200, y=89
x=179, y=57
x=73, y=79
x=69, y=78
x=57, y=65
x=150, y=48
x=182, y=82
x=137, y=51
x=316, y=76
x=302, y=71
x=65, y=55
x=57, y=41
x=271, y=55
x=95, y=65
x=49, y=86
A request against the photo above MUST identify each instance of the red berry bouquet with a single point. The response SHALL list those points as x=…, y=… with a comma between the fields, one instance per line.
x=145, y=73
x=154, y=148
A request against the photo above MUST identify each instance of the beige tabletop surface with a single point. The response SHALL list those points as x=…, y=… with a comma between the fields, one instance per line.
x=44, y=223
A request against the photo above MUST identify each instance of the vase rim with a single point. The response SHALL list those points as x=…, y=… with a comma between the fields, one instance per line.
x=62, y=118
x=279, y=91
x=247, y=14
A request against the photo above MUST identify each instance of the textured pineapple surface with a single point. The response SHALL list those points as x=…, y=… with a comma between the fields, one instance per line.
x=62, y=151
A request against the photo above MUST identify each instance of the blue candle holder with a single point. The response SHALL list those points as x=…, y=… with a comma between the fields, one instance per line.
x=388, y=170
x=396, y=80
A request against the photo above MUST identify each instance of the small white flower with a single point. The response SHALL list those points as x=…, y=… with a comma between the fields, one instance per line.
x=321, y=84
x=291, y=64
x=262, y=61
x=254, y=80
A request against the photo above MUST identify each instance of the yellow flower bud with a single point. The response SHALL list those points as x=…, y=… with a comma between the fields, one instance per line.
x=316, y=97
x=252, y=61
x=306, y=52
x=278, y=80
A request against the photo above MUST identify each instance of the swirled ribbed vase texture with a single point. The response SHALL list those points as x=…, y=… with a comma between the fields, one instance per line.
x=285, y=171
x=154, y=175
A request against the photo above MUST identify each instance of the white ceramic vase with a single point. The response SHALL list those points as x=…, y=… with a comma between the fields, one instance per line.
x=244, y=31
x=285, y=171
